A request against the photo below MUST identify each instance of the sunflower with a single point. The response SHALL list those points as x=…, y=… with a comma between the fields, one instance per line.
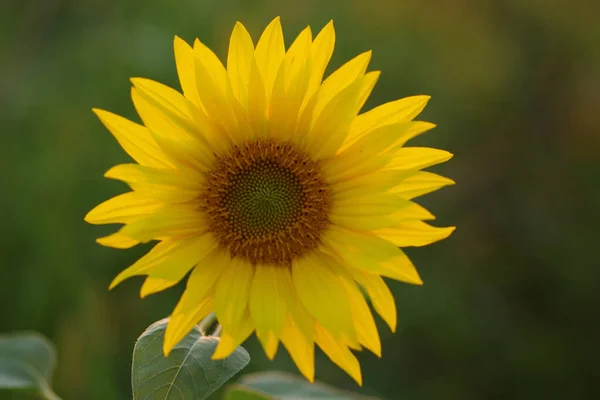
x=285, y=203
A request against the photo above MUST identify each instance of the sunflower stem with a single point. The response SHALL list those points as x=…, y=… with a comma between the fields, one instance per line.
x=217, y=331
x=48, y=394
x=207, y=325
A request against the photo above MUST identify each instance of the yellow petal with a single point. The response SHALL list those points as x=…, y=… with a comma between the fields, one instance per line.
x=303, y=321
x=417, y=158
x=170, y=101
x=197, y=299
x=414, y=233
x=184, y=59
x=331, y=124
x=371, y=79
x=204, y=277
x=239, y=61
x=154, y=285
x=340, y=79
x=135, y=139
x=124, y=208
x=269, y=53
x=363, y=319
x=301, y=348
x=188, y=312
x=203, y=272
x=305, y=123
x=297, y=57
x=376, y=204
x=232, y=337
x=321, y=291
x=178, y=223
x=413, y=212
x=370, y=253
x=338, y=353
x=213, y=65
x=321, y=49
x=380, y=296
x=362, y=168
x=416, y=128
x=402, y=110
x=117, y=241
x=216, y=98
x=401, y=269
x=232, y=292
x=363, y=222
x=365, y=155
x=176, y=135
x=267, y=306
x=420, y=184
x=375, y=182
x=374, y=212
x=178, y=122
x=169, y=185
x=257, y=102
x=169, y=259
x=290, y=87
x=200, y=253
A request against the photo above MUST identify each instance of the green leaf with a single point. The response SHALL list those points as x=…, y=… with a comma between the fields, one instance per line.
x=188, y=373
x=238, y=392
x=282, y=386
x=26, y=364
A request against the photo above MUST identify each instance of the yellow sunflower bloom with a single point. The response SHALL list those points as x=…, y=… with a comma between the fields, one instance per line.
x=265, y=181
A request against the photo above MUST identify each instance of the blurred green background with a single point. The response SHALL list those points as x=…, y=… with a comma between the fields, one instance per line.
x=509, y=308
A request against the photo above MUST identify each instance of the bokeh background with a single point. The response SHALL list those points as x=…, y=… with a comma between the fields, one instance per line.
x=509, y=308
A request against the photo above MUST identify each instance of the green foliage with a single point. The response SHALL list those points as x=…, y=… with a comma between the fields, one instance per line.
x=26, y=364
x=188, y=373
x=282, y=386
x=238, y=392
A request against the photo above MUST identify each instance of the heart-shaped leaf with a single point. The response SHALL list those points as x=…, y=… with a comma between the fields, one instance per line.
x=26, y=364
x=282, y=386
x=188, y=373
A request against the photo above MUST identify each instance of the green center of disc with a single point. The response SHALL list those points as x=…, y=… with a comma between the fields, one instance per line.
x=263, y=198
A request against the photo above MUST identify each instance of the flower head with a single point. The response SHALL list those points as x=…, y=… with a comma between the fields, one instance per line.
x=265, y=181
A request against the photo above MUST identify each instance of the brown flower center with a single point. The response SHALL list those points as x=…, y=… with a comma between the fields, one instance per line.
x=267, y=202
